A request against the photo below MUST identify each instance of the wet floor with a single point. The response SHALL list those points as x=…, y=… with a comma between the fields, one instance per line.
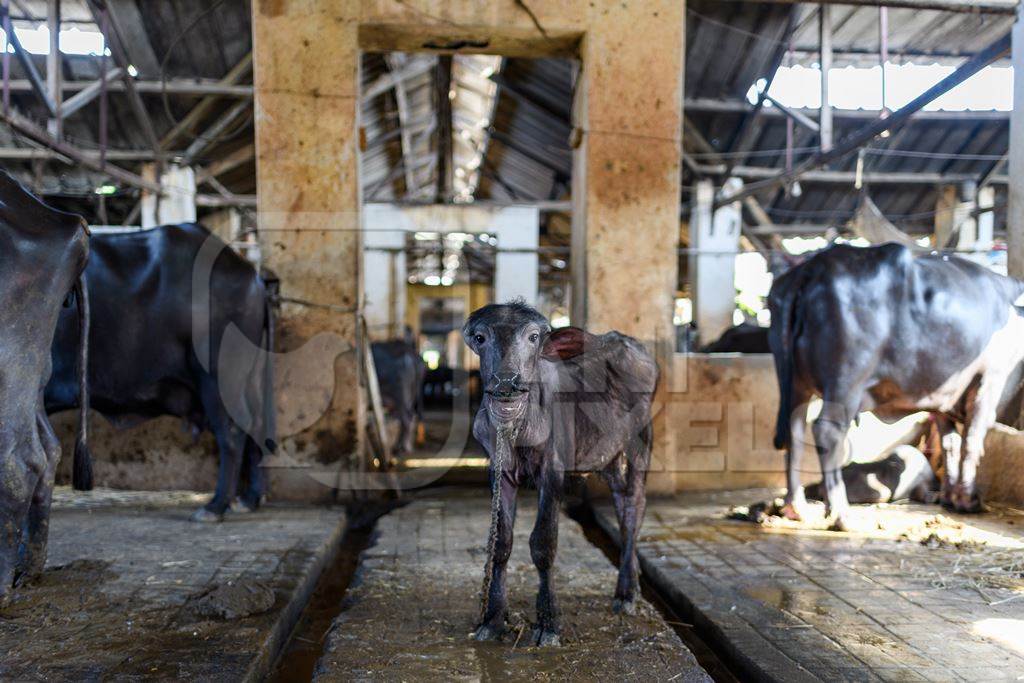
x=919, y=595
x=416, y=601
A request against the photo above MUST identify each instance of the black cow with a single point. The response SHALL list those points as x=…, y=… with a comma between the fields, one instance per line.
x=42, y=254
x=878, y=329
x=743, y=338
x=400, y=373
x=181, y=326
x=555, y=403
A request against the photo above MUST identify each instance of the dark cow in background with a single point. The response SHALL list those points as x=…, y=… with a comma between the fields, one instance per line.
x=400, y=373
x=880, y=329
x=42, y=254
x=743, y=338
x=556, y=403
x=161, y=347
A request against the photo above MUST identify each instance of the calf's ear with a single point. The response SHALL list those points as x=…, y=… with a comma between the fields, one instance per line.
x=563, y=344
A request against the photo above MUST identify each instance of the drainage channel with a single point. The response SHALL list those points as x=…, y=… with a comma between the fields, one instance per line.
x=714, y=660
x=298, y=658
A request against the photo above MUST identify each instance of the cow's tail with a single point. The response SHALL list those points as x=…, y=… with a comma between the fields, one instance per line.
x=269, y=412
x=784, y=327
x=81, y=477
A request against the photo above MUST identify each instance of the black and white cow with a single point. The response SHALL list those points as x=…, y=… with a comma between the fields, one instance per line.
x=558, y=402
x=181, y=325
x=42, y=254
x=882, y=330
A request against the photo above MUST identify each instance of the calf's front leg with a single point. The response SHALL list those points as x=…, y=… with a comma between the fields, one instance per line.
x=495, y=601
x=543, y=547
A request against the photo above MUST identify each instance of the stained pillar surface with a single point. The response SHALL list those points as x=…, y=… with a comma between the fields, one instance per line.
x=306, y=77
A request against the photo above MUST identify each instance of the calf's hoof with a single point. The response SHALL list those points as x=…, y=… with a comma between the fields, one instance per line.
x=624, y=606
x=546, y=637
x=204, y=516
x=486, y=632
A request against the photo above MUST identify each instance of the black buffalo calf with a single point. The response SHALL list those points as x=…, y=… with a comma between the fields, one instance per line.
x=558, y=402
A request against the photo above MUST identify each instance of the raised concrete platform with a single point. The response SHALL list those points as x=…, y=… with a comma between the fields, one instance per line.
x=134, y=590
x=412, y=613
x=927, y=596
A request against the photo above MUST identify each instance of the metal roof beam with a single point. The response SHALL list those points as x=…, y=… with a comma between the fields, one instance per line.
x=88, y=93
x=849, y=177
x=222, y=88
x=33, y=132
x=872, y=130
x=710, y=105
x=966, y=6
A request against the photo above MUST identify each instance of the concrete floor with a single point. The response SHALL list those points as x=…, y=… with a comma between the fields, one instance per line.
x=920, y=597
x=133, y=589
x=417, y=601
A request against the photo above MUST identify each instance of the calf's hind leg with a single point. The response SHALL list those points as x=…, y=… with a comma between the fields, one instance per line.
x=627, y=477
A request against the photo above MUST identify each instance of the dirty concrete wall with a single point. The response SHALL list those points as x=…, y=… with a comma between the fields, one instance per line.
x=1001, y=474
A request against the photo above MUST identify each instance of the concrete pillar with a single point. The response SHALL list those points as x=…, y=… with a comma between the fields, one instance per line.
x=1015, y=210
x=715, y=237
x=515, y=269
x=384, y=269
x=177, y=204
x=967, y=236
x=986, y=221
x=628, y=121
x=225, y=224
x=306, y=78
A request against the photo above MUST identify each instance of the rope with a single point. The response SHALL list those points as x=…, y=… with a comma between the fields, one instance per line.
x=506, y=435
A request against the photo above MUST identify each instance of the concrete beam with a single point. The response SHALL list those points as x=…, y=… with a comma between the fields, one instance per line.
x=1015, y=209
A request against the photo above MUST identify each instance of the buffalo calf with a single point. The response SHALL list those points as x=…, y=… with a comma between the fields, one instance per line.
x=557, y=402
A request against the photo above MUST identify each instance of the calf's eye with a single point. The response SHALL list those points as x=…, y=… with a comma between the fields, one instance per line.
x=534, y=337
x=479, y=339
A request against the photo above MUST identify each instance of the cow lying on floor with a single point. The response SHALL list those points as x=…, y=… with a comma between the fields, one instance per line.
x=882, y=330
x=905, y=474
x=557, y=402
x=162, y=347
x=42, y=254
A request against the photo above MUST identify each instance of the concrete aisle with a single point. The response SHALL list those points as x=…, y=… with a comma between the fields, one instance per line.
x=418, y=598
x=926, y=596
x=121, y=597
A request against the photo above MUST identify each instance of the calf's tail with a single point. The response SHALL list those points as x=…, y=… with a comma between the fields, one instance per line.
x=81, y=477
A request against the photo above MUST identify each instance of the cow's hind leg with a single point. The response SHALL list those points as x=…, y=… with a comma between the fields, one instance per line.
x=230, y=444
x=981, y=416
x=830, y=430
x=253, y=483
x=37, y=527
x=795, y=504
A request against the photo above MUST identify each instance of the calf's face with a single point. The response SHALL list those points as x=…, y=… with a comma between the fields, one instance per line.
x=509, y=339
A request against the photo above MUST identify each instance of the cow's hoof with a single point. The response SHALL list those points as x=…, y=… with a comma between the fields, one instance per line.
x=241, y=507
x=486, y=632
x=966, y=501
x=543, y=637
x=847, y=522
x=624, y=606
x=204, y=516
